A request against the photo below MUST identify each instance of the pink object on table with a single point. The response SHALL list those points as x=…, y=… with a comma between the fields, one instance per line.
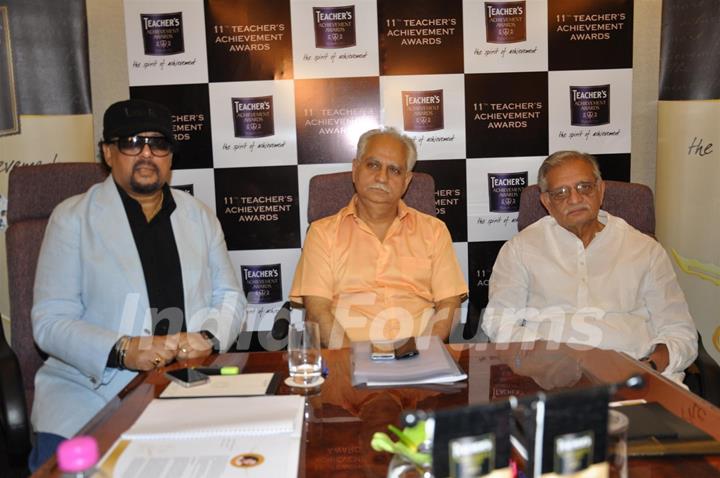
x=77, y=454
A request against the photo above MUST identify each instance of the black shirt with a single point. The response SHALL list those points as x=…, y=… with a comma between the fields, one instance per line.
x=160, y=261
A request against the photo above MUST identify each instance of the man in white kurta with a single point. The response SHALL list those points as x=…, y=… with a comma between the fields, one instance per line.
x=584, y=276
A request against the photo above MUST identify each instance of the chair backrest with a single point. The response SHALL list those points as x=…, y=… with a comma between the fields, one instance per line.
x=631, y=201
x=33, y=193
x=328, y=193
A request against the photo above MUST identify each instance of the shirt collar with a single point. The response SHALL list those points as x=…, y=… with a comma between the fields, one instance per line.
x=351, y=208
x=603, y=217
x=133, y=207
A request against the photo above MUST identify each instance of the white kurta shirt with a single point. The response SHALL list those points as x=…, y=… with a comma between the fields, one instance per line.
x=619, y=293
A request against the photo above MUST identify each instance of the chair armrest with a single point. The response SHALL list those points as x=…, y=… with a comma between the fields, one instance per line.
x=709, y=377
x=13, y=412
x=281, y=323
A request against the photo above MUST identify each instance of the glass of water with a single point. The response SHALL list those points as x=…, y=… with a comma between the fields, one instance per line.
x=304, y=360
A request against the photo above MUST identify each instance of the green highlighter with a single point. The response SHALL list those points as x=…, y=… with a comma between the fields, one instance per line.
x=226, y=370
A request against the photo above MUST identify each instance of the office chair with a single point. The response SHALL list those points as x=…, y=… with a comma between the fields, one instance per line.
x=635, y=204
x=14, y=423
x=328, y=193
x=33, y=192
x=631, y=201
x=703, y=376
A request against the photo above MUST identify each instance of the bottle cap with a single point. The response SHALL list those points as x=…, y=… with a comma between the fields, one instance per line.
x=77, y=454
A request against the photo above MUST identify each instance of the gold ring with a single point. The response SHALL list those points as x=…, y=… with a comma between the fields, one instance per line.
x=157, y=361
x=184, y=350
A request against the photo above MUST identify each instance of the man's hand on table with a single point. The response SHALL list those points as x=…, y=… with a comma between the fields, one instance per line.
x=660, y=357
x=193, y=345
x=150, y=352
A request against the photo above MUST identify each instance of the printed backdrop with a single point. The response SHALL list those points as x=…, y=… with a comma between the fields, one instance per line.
x=268, y=93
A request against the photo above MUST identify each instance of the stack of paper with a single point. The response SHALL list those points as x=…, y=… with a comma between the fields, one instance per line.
x=211, y=437
x=432, y=365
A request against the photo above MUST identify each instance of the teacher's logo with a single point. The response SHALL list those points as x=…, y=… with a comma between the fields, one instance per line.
x=262, y=284
x=472, y=455
x=334, y=26
x=253, y=116
x=423, y=110
x=589, y=105
x=505, y=22
x=573, y=452
x=504, y=190
x=162, y=33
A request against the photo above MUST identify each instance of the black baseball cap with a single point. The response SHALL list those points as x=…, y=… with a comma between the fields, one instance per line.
x=129, y=117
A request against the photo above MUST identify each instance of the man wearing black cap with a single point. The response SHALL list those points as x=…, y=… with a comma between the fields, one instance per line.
x=132, y=275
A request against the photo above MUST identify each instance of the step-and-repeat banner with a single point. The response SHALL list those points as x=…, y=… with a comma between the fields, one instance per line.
x=268, y=93
x=688, y=162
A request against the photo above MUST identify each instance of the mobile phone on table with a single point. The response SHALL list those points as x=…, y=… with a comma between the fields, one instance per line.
x=382, y=351
x=400, y=349
x=187, y=377
x=405, y=348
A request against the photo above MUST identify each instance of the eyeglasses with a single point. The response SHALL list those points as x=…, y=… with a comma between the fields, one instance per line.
x=133, y=145
x=584, y=188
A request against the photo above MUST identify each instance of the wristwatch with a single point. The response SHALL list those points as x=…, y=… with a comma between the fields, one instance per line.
x=650, y=362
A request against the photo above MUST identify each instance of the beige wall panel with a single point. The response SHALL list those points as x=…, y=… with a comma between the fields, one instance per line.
x=688, y=202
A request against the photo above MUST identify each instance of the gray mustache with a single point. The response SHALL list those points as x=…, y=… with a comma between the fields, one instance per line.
x=379, y=186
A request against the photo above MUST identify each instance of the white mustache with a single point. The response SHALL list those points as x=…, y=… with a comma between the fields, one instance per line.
x=576, y=208
x=379, y=186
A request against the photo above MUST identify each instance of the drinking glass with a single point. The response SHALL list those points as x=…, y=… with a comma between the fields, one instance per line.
x=304, y=360
x=617, y=444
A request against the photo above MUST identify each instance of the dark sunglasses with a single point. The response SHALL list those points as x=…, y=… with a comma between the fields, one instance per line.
x=133, y=145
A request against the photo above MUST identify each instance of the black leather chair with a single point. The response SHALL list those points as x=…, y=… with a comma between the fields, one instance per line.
x=15, y=442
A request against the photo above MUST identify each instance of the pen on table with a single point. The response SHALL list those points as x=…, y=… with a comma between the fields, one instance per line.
x=227, y=370
x=625, y=403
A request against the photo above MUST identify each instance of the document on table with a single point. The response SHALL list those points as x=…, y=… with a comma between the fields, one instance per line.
x=433, y=364
x=217, y=457
x=211, y=437
x=247, y=384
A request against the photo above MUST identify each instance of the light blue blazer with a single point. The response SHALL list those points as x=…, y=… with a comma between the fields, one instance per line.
x=90, y=290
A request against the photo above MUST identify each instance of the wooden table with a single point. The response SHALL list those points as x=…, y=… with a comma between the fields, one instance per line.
x=340, y=419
